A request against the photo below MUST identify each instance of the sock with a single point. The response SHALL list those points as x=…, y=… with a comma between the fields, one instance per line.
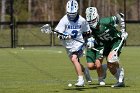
x=117, y=74
x=80, y=78
x=104, y=66
x=121, y=77
x=100, y=79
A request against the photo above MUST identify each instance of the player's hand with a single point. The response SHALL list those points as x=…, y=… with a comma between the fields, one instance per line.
x=90, y=42
x=65, y=36
x=124, y=35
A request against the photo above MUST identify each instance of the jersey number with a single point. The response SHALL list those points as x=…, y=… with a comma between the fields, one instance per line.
x=74, y=33
x=106, y=37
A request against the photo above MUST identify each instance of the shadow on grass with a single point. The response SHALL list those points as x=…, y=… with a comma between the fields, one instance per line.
x=80, y=88
x=108, y=85
x=96, y=86
x=55, y=91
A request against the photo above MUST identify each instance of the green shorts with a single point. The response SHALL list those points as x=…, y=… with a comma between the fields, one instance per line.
x=112, y=46
x=92, y=55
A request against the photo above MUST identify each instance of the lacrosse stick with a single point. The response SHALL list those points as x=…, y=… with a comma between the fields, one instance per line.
x=116, y=50
x=113, y=55
x=47, y=29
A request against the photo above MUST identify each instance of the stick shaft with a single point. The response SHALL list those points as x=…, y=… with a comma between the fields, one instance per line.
x=74, y=39
x=65, y=35
x=119, y=45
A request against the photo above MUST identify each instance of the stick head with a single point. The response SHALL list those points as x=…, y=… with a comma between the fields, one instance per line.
x=46, y=28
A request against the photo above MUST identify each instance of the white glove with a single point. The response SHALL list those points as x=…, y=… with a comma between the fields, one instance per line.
x=66, y=36
x=124, y=35
x=90, y=42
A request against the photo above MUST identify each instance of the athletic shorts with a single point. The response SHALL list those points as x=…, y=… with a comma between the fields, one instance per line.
x=92, y=55
x=111, y=46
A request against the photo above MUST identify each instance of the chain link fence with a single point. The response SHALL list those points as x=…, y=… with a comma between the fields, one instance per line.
x=22, y=27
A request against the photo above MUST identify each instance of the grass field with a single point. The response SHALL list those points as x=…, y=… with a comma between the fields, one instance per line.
x=48, y=70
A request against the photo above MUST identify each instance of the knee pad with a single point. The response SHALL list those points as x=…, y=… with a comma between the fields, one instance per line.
x=113, y=58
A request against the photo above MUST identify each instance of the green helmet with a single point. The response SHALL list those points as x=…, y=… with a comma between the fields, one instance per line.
x=92, y=16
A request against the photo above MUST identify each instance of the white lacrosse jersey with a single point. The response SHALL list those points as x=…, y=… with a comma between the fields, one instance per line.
x=73, y=28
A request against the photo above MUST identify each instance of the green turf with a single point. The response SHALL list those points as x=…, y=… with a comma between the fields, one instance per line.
x=48, y=70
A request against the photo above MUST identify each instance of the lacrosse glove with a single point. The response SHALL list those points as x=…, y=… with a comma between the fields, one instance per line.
x=65, y=36
x=124, y=35
x=90, y=42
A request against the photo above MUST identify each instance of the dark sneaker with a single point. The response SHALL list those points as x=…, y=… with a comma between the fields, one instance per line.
x=101, y=83
x=119, y=84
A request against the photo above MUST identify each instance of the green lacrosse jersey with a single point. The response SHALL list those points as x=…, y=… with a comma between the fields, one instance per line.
x=106, y=31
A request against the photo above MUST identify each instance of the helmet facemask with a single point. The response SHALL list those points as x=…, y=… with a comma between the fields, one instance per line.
x=92, y=16
x=71, y=16
x=72, y=9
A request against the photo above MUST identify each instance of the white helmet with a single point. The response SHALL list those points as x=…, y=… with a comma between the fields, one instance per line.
x=72, y=9
x=92, y=16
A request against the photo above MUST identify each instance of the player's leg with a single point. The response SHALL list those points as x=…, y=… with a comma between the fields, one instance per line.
x=74, y=57
x=104, y=67
x=92, y=64
x=101, y=68
x=87, y=74
x=114, y=66
x=75, y=60
x=118, y=73
x=101, y=71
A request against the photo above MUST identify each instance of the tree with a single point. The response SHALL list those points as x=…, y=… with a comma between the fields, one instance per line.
x=29, y=9
x=3, y=12
x=81, y=7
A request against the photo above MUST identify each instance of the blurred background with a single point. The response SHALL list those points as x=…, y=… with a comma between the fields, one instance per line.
x=20, y=20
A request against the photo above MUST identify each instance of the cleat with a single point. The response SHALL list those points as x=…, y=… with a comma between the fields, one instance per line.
x=102, y=83
x=121, y=79
x=119, y=84
x=87, y=75
x=80, y=83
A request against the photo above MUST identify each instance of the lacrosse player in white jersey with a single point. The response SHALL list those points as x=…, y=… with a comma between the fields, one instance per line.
x=74, y=27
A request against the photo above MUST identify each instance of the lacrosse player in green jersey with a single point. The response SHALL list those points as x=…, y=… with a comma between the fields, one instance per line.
x=94, y=59
x=109, y=41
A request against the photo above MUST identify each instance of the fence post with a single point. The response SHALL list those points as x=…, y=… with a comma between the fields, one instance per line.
x=125, y=18
x=12, y=24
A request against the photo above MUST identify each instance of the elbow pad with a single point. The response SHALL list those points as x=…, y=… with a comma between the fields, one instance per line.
x=121, y=21
x=86, y=34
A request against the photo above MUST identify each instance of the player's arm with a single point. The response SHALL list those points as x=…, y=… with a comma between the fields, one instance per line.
x=121, y=22
x=86, y=34
x=62, y=35
x=89, y=40
x=118, y=20
x=86, y=31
